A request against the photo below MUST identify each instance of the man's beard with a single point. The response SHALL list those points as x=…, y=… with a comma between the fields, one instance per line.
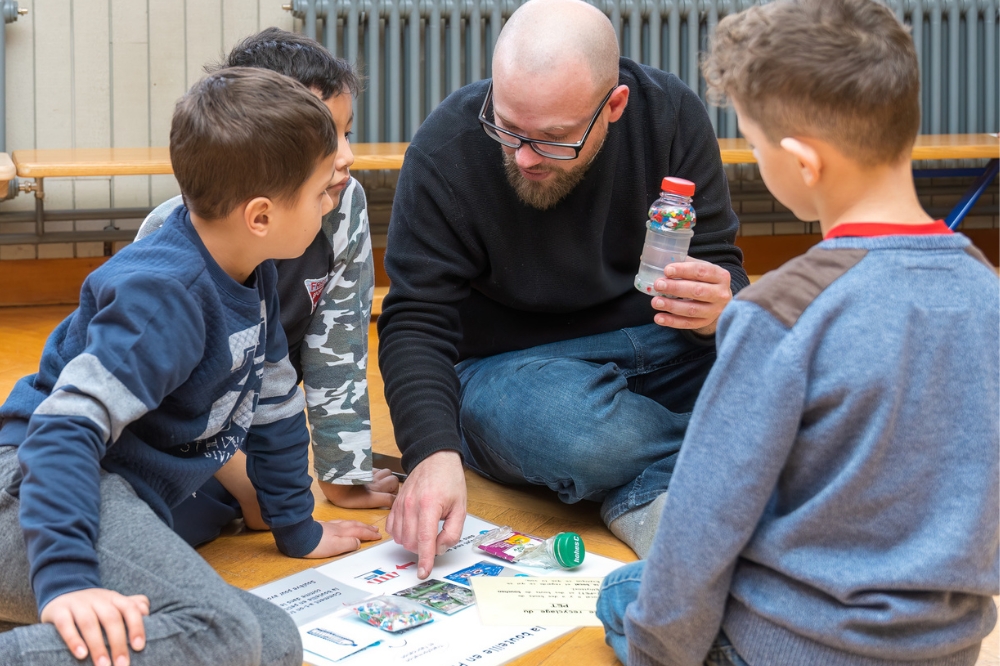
x=546, y=193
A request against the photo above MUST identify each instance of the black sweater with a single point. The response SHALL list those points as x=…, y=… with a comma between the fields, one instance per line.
x=475, y=272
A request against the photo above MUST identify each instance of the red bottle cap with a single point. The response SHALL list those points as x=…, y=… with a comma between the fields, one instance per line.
x=685, y=188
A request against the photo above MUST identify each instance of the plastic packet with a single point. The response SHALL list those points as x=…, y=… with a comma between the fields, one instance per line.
x=505, y=543
x=562, y=551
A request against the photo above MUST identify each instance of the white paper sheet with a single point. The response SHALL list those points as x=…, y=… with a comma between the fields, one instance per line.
x=460, y=639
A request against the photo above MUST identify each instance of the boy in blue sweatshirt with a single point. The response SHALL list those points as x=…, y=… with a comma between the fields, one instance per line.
x=325, y=299
x=174, y=360
x=836, y=496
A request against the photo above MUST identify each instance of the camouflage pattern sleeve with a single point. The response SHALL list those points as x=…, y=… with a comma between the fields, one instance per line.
x=334, y=352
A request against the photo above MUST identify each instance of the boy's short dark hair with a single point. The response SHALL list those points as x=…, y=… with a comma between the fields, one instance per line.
x=303, y=59
x=844, y=71
x=230, y=141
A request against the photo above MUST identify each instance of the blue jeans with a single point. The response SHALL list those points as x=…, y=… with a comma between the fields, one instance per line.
x=620, y=588
x=597, y=418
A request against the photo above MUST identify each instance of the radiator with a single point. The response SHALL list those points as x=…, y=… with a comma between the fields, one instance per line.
x=415, y=52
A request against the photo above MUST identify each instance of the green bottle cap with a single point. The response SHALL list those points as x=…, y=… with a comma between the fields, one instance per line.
x=567, y=547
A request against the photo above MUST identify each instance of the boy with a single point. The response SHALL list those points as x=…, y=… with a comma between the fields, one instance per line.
x=835, y=500
x=325, y=297
x=173, y=361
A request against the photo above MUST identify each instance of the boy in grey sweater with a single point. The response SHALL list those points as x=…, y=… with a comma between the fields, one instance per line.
x=836, y=496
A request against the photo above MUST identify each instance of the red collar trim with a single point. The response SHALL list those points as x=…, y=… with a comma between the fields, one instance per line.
x=885, y=229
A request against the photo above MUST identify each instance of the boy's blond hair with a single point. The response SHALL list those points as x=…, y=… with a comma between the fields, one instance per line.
x=844, y=71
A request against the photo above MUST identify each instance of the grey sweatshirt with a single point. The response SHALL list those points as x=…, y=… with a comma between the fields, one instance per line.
x=836, y=496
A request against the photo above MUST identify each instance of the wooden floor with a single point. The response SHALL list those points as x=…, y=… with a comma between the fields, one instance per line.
x=249, y=560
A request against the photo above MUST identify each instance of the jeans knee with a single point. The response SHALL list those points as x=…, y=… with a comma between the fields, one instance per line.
x=629, y=574
x=619, y=589
x=537, y=391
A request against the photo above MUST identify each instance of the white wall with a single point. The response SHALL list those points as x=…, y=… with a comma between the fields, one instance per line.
x=99, y=73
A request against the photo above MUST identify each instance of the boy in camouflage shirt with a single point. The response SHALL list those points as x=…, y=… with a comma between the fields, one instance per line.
x=325, y=297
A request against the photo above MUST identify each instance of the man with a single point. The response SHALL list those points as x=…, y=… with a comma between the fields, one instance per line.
x=516, y=232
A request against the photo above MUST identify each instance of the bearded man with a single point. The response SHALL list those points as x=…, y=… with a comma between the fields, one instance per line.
x=512, y=338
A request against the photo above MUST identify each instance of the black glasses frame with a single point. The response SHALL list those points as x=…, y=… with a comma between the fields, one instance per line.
x=517, y=140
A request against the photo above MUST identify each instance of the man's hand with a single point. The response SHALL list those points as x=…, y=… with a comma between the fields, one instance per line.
x=342, y=536
x=433, y=491
x=79, y=617
x=379, y=493
x=706, y=288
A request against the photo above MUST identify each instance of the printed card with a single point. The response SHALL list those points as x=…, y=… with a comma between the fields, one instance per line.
x=440, y=596
x=541, y=601
x=494, y=569
x=308, y=595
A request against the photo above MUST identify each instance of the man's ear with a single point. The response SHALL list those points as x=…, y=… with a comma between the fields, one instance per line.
x=257, y=216
x=809, y=159
x=618, y=102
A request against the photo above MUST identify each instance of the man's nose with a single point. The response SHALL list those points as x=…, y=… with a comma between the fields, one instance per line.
x=526, y=157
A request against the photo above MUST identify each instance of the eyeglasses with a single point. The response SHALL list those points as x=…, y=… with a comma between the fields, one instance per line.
x=555, y=150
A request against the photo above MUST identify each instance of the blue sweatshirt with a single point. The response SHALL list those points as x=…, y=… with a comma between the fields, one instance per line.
x=836, y=496
x=167, y=367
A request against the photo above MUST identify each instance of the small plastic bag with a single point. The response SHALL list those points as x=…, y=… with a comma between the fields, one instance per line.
x=393, y=614
x=565, y=550
x=505, y=543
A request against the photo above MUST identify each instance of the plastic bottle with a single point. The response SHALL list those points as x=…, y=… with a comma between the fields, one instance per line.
x=668, y=233
x=562, y=551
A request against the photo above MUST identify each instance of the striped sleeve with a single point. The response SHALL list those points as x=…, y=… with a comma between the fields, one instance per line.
x=278, y=448
x=139, y=349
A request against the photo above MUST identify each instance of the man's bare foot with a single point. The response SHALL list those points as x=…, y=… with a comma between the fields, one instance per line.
x=380, y=493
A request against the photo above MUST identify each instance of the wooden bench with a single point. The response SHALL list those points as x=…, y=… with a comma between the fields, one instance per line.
x=7, y=171
x=156, y=161
x=82, y=162
x=927, y=147
x=763, y=253
x=41, y=164
x=737, y=151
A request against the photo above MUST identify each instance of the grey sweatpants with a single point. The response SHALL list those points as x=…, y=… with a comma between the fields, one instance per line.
x=195, y=617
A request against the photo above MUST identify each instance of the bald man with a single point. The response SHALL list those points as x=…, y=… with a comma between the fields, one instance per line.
x=512, y=337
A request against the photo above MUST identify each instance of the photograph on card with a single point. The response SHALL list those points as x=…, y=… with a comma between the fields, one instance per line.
x=440, y=595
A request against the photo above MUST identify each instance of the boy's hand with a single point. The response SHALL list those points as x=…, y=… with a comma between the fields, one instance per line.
x=86, y=612
x=379, y=493
x=342, y=536
x=233, y=477
x=706, y=289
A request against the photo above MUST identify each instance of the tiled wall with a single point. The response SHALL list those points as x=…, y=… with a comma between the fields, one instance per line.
x=98, y=73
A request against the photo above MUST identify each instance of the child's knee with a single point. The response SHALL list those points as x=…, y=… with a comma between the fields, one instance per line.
x=280, y=642
x=220, y=629
x=619, y=589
